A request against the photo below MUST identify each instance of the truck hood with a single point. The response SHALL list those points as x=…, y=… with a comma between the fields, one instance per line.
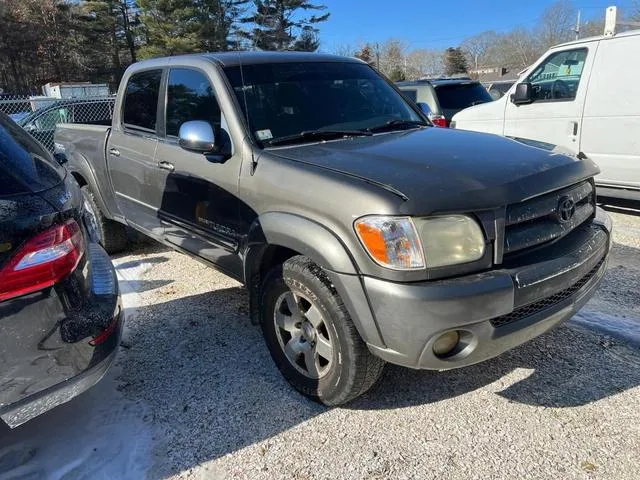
x=437, y=170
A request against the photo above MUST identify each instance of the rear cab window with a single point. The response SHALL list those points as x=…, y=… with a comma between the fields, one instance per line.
x=141, y=101
x=25, y=166
x=457, y=96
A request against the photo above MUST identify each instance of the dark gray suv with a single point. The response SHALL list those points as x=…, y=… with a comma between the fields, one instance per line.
x=362, y=233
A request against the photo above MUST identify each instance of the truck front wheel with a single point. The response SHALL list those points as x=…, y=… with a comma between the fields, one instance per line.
x=311, y=337
x=113, y=235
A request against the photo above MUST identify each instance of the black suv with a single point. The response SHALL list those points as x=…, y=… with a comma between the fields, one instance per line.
x=60, y=310
x=445, y=96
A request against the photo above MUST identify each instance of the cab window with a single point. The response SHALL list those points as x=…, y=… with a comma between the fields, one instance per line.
x=558, y=77
x=141, y=100
x=190, y=97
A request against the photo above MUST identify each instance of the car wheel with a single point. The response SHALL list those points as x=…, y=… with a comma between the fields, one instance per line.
x=311, y=337
x=113, y=235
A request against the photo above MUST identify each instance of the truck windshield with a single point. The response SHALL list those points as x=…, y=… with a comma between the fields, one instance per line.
x=289, y=100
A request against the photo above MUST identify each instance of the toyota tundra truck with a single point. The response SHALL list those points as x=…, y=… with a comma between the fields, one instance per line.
x=363, y=234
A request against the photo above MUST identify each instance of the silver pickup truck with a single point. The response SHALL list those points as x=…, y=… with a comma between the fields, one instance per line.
x=363, y=234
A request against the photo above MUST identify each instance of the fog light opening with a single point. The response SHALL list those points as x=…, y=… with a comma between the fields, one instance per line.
x=446, y=343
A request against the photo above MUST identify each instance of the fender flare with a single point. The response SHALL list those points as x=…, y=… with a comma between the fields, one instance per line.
x=79, y=166
x=301, y=234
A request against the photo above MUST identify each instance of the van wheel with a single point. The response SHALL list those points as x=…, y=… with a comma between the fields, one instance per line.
x=113, y=235
x=311, y=337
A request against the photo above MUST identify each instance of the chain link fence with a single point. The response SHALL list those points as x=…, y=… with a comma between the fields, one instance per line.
x=40, y=115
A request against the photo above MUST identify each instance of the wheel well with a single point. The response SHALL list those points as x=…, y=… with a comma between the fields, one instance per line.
x=272, y=256
x=79, y=178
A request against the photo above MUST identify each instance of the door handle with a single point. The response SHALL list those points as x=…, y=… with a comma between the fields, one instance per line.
x=115, y=152
x=166, y=166
x=573, y=129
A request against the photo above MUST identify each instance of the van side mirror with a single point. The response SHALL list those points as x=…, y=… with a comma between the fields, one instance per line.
x=523, y=94
x=197, y=136
x=425, y=108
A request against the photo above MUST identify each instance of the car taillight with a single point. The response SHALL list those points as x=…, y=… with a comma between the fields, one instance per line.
x=43, y=261
x=439, y=121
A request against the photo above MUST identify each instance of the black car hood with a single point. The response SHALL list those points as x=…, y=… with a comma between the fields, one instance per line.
x=439, y=170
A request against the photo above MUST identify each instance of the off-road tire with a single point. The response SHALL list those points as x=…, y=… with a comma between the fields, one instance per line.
x=114, y=238
x=353, y=369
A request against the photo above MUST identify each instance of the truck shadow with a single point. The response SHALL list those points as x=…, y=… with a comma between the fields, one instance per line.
x=212, y=388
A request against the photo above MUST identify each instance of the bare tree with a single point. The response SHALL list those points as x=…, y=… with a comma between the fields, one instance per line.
x=344, y=50
x=424, y=63
x=478, y=47
x=392, y=57
x=556, y=24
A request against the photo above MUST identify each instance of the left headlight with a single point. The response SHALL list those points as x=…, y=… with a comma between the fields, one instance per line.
x=450, y=240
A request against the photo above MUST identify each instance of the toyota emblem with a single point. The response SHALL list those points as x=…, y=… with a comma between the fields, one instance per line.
x=566, y=209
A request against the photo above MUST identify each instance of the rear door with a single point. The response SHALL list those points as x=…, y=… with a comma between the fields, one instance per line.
x=455, y=97
x=559, y=84
x=200, y=207
x=131, y=149
x=611, y=122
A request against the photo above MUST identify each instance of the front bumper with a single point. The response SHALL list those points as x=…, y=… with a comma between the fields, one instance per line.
x=493, y=311
x=50, y=338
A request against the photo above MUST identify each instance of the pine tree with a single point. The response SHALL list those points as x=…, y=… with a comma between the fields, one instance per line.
x=365, y=54
x=279, y=26
x=219, y=24
x=169, y=27
x=455, y=61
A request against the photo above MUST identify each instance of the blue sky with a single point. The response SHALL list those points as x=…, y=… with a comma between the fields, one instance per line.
x=434, y=24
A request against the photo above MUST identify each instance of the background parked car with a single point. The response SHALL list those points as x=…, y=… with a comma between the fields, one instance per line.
x=498, y=88
x=445, y=96
x=60, y=318
x=42, y=123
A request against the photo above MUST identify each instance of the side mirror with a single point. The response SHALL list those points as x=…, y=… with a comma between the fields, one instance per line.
x=425, y=108
x=197, y=136
x=523, y=94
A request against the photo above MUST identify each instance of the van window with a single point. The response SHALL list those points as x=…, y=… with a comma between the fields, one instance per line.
x=411, y=94
x=141, y=100
x=190, y=97
x=558, y=76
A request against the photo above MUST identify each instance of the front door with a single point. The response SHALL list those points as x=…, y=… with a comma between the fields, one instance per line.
x=559, y=89
x=131, y=153
x=200, y=207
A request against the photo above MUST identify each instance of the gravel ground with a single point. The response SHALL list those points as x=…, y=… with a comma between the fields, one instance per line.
x=196, y=380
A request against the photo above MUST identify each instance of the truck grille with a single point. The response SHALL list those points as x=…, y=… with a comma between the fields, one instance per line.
x=547, y=217
x=535, y=307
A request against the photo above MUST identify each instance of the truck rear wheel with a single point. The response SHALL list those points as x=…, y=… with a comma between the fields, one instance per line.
x=113, y=235
x=311, y=337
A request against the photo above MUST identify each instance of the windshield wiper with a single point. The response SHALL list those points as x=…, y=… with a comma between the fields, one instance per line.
x=319, y=135
x=396, y=124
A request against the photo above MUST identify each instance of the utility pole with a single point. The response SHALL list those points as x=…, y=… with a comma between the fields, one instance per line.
x=577, y=29
x=377, y=56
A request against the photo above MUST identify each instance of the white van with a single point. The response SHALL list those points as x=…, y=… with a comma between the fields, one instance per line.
x=583, y=96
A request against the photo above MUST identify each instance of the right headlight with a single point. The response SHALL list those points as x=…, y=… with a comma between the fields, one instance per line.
x=450, y=240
